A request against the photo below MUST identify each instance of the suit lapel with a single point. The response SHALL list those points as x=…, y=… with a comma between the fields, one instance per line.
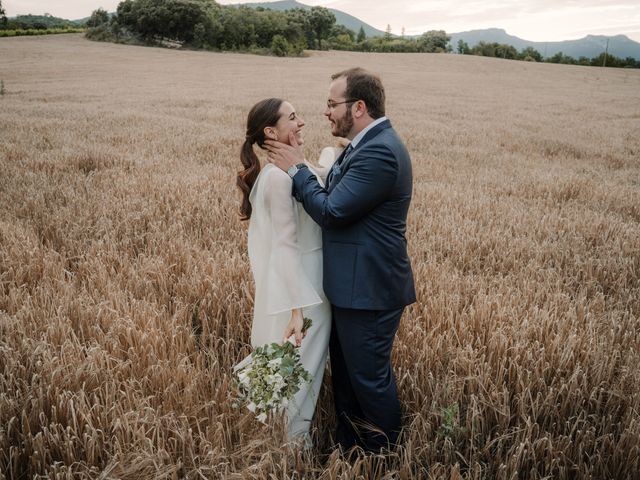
x=371, y=134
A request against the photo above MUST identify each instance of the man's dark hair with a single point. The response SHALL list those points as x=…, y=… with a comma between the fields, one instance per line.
x=365, y=86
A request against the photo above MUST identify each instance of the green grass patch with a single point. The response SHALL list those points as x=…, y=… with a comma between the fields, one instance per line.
x=36, y=31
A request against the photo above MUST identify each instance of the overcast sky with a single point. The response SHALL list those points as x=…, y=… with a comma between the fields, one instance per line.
x=537, y=20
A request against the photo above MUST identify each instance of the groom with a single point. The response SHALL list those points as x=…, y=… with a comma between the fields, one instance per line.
x=366, y=269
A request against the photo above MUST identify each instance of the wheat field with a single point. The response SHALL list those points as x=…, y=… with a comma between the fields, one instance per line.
x=126, y=294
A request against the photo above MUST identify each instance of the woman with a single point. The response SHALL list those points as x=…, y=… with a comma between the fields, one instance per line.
x=285, y=251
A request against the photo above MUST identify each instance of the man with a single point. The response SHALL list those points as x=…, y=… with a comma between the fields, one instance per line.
x=366, y=268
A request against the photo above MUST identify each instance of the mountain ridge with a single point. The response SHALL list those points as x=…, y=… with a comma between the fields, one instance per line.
x=589, y=46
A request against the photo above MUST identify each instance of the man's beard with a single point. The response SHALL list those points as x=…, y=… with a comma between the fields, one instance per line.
x=343, y=125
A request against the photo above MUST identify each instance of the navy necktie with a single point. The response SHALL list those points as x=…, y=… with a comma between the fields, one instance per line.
x=336, y=171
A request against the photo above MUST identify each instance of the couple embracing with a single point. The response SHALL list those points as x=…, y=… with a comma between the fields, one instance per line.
x=329, y=241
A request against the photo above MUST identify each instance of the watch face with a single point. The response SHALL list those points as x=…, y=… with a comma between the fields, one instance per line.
x=292, y=170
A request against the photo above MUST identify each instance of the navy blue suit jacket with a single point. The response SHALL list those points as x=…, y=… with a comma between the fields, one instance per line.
x=363, y=215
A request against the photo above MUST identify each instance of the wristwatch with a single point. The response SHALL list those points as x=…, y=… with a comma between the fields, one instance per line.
x=293, y=169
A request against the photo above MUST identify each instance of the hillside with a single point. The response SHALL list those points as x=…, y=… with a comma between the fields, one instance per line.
x=43, y=21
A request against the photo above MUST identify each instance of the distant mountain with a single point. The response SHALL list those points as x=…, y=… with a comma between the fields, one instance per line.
x=342, y=18
x=589, y=46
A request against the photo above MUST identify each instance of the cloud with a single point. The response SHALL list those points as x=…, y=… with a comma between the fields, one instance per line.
x=534, y=20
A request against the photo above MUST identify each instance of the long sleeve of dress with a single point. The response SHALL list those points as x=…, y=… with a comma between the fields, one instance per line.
x=288, y=286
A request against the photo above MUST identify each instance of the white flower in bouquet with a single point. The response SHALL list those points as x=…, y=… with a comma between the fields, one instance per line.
x=268, y=379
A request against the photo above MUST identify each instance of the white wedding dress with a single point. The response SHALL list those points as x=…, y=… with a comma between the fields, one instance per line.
x=285, y=251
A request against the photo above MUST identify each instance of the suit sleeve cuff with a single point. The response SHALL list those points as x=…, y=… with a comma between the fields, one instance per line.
x=298, y=181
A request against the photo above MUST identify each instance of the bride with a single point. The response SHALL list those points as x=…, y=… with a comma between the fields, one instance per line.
x=285, y=252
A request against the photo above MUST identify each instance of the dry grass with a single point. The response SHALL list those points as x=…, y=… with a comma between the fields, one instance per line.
x=126, y=294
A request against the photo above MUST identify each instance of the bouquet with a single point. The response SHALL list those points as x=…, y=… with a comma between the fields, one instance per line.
x=268, y=379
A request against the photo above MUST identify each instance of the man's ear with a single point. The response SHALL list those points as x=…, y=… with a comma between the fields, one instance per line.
x=361, y=109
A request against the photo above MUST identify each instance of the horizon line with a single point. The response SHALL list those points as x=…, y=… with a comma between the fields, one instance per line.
x=628, y=35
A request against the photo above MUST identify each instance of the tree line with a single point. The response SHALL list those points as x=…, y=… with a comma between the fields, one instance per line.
x=34, y=22
x=530, y=54
x=205, y=24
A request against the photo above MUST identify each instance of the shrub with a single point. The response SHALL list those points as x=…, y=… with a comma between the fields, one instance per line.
x=101, y=33
x=279, y=46
x=98, y=17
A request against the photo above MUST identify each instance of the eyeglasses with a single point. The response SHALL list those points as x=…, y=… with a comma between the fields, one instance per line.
x=331, y=104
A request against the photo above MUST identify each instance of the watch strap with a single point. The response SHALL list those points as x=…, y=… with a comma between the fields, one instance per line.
x=291, y=171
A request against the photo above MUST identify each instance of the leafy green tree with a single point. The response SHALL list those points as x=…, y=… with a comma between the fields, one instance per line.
x=434, y=41
x=321, y=20
x=530, y=54
x=98, y=17
x=562, y=58
x=342, y=41
x=231, y=29
x=361, y=35
x=172, y=19
x=484, y=49
x=299, y=27
x=506, y=51
x=463, y=47
x=606, y=60
x=279, y=46
x=338, y=30
x=494, y=49
x=200, y=36
x=3, y=15
x=396, y=45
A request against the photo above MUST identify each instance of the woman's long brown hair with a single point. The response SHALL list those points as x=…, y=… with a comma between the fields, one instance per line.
x=265, y=113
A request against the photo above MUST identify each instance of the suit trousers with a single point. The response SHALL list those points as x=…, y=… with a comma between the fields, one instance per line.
x=364, y=386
